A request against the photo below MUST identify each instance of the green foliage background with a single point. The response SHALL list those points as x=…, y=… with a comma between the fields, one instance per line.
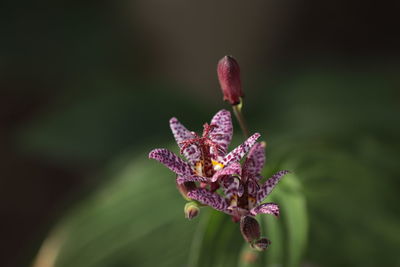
x=336, y=131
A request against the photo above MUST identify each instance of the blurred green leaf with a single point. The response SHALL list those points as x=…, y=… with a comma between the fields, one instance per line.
x=249, y=257
x=134, y=220
x=341, y=184
x=294, y=214
x=220, y=241
x=289, y=233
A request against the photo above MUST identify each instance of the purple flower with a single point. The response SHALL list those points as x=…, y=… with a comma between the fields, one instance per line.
x=206, y=155
x=242, y=189
x=209, y=166
x=243, y=193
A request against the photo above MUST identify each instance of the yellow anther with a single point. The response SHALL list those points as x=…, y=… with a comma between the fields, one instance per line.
x=233, y=201
x=199, y=168
x=217, y=165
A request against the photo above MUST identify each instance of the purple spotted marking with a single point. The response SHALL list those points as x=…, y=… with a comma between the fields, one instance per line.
x=255, y=161
x=234, y=169
x=269, y=185
x=193, y=178
x=222, y=134
x=252, y=188
x=240, y=189
x=192, y=153
x=238, y=153
x=205, y=197
x=266, y=208
x=171, y=161
x=231, y=186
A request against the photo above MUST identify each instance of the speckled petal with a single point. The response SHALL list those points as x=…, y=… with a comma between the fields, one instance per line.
x=238, y=153
x=267, y=208
x=254, y=162
x=240, y=190
x=213, y=200
x=193, y=178
x=192, y=153
x=234, y=169
x=269, y=185
x=222, y=134
x=171, y=161
x=252, y=188
x=230, y=185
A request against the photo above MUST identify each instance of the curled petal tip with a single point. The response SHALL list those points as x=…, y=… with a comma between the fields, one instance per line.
x=256, y=135
x=266, y=208
x=152, y=154
x=173, y=120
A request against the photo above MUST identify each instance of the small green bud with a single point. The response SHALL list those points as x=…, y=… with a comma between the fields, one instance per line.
x=261, y=244
x=191, y=210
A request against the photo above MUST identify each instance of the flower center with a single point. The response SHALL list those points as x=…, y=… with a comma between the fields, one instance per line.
x=206, y=165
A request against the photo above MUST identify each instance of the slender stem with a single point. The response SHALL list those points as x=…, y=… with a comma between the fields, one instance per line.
x=237, y=110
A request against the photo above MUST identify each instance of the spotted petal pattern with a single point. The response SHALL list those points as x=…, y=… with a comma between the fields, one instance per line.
x=269, y=185
x=255, y=161
x=171, y=161
x=238, y=153
x=231, y=187
x=193, y=178
x=267, y=208
x=192, y=153
x=233, y=169
x=205, y=197
x=222, y=134
x=252, y=188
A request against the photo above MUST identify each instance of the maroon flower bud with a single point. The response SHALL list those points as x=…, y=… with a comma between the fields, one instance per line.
x=185, y=188
x=250, y=228
x=229, y=78
x=261, y=244
x=191, y=210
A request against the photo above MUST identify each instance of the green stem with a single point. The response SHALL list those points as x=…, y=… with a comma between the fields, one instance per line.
x=237, y=110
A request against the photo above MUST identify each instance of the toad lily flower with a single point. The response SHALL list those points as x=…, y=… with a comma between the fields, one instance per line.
x=207, y=157
x=209, y=167
x=243, y=192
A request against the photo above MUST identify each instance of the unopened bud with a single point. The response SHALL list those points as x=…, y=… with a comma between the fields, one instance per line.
x=185, y=188
x=191, y=210
x=261, y=244
x=249, y=228
x=229, y=78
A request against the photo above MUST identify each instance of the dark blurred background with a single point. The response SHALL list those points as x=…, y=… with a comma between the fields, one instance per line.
x=82, y=83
